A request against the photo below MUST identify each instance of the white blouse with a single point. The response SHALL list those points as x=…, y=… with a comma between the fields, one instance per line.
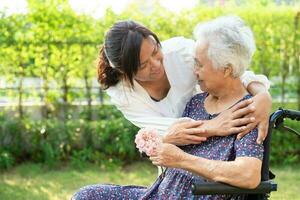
x=138, y=107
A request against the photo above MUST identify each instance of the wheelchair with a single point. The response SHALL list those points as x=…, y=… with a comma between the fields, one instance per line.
x=267, y=185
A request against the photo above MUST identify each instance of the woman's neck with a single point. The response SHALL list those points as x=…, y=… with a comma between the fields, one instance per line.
x=157, y=89
x=224, y=97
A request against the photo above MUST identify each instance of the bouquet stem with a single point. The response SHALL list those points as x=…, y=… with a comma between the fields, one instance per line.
x=163, y=171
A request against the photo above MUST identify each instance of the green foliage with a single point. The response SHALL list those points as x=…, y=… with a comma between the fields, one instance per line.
x=6, y=159
x=285, y=146
x=109, y=140
x=81, y=157
x=104, y=142
x=56, y=44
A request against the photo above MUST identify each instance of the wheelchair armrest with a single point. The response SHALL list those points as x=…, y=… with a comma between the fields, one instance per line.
x=209, y=188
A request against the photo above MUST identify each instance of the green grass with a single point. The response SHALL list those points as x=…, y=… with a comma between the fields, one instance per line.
x=288, y=180
x=36, y=182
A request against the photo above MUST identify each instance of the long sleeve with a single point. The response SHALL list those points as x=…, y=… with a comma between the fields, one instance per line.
x=138, y=110
x=147, y=118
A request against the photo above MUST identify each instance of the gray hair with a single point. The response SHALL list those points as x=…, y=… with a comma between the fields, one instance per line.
x=229, y=40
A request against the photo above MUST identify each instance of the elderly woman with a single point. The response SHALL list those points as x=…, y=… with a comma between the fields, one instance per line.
x=224, y=50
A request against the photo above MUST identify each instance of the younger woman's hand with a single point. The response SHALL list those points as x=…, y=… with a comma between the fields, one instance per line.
x=263, y=105
x=184, y=133
x=231, y=121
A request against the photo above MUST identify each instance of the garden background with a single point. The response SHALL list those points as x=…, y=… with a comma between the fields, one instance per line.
x=58, y=130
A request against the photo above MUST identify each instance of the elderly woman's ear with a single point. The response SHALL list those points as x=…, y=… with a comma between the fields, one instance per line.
x=228, y=71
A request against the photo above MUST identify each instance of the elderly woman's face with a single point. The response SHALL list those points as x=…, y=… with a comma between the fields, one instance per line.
x=151, y=58
x=209, y=78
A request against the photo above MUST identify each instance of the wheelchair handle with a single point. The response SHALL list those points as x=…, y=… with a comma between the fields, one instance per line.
x=277, y=119
x=285, y=113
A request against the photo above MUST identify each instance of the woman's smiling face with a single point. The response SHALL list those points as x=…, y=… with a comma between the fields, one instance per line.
x=151, y=59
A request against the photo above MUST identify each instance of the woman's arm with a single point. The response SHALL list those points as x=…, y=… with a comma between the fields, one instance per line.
x=258, y=86
x=262, y=101
x=242, y=172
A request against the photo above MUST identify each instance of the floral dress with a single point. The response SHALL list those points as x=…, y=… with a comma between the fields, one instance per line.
x=176, y=183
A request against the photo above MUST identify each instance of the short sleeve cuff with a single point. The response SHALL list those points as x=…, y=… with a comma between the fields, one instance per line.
x=249, y=77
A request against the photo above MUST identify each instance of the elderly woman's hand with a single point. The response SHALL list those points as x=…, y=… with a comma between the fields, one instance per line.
x=168, y=155
x=263, y=105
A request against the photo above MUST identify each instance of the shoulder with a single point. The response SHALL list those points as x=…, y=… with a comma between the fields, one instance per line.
x=177, y=44
x=195, y=102
x=247, y=146
x=120, y=94
x=116, y=90
x=198, y=98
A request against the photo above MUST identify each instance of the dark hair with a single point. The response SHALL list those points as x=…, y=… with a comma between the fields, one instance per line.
x=121, y=49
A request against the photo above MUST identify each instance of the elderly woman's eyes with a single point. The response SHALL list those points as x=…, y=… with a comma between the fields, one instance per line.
x=197, y=63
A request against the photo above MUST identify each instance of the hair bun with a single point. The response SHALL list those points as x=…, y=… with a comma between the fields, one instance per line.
x=107, y=75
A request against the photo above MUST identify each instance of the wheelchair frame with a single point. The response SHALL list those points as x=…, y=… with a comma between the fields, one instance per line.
x=263, y=190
